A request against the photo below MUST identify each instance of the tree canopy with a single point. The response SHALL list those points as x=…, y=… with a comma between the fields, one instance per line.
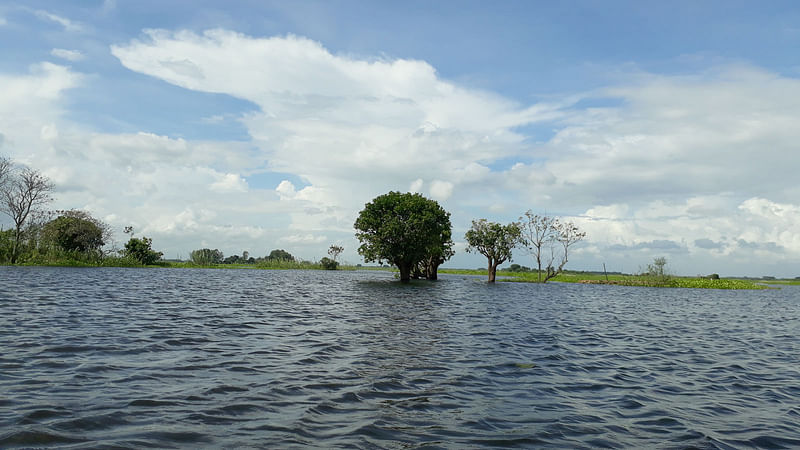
x=206, y=256
x=280, y=255
x=141, y=250
x=404, y=229
x=75, y=230
x=494, y=241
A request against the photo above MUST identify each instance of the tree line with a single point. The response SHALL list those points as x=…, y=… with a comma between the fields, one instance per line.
x=414, y=234
x=41, y=236
x=407, y=230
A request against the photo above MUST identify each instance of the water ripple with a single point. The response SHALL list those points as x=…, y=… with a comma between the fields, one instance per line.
x=99, y=358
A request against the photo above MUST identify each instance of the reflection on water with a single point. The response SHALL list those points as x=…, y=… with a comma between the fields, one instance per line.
x=188, y=358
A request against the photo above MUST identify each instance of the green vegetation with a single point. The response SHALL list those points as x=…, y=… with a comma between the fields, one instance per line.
x=206, y=257
x=494, y=241
x=141, y=250
x=622, y=279
x=328, y=264
x=407, y=230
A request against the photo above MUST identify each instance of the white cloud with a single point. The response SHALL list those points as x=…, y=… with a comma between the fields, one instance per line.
x=684, y=165
x=69, y=55
x=286, y=189
x=229, y=182
x=64, y=22
x=441, y=190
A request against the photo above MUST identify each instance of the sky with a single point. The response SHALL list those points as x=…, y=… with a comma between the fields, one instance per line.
x=659, y=128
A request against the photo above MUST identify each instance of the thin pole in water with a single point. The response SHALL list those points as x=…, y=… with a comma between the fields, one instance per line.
x=604, y=271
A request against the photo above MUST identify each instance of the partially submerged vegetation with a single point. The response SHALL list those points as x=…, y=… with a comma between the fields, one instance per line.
x=644, y=280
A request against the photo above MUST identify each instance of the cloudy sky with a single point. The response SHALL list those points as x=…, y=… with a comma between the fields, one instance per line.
x=660, y=128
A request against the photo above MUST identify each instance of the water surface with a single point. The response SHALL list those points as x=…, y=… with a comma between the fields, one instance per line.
x=288, y=359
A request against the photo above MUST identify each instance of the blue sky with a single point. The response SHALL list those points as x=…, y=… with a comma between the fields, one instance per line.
x=661, y=128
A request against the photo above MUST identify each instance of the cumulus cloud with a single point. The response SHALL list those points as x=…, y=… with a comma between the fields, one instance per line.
x=229, y=182
x=441, y=190
x=339, y=121
x=682, y=165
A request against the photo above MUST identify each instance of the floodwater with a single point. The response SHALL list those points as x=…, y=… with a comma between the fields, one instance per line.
x=292, y=359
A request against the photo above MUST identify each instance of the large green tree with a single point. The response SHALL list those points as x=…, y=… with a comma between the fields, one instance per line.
x=405, y=230
x=494, y=241
x=75, y=230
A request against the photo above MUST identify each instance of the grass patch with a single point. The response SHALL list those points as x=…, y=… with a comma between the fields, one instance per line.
x=646, y=281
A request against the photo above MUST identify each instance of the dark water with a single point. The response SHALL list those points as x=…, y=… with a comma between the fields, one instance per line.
x=284, y=359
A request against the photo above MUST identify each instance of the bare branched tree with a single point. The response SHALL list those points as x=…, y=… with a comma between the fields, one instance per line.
x=335, y=250
x=23, y=195
x=5, y=170
x=548, y=240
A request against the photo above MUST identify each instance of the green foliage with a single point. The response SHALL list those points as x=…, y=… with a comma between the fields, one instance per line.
x=404, y=229
x=6, y=245
x=518, y=268
x=280, y=255
x=328, y=264
x=141, y=250
x=494, y=241
x=206, y=257
x=75, y=231
x=643, y=281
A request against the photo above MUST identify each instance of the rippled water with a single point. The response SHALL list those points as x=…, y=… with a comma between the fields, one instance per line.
x=240, y=358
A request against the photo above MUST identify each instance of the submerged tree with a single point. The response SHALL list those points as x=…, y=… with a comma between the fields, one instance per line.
x=494, y=241
x=548, y=240
x=22, y=195
x=406, y=230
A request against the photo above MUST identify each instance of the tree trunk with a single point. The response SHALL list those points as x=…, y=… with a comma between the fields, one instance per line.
x=405, y=272
x=492, y=271
x=15, y=249
x=432, y=270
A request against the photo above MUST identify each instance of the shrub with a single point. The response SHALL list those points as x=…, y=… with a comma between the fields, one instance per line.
x=141, y=250
x=328, y=264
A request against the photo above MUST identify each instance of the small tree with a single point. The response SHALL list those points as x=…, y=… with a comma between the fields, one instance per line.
x=22, y=195
x=141, y=250
x=658, y=269
x=334, y=251
x=548, y=240
x=494, y=241
x=404, y=229
x=328, y=264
